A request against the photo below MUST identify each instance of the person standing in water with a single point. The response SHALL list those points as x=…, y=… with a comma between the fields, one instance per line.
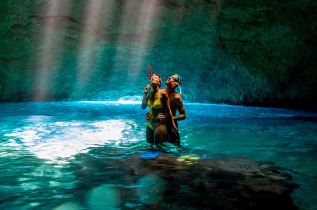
x=158, y=102
x=176, y=104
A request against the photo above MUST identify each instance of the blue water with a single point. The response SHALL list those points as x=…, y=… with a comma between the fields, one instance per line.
x=41, y=143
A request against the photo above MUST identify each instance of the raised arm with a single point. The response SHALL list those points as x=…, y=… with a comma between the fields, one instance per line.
x=145, y=97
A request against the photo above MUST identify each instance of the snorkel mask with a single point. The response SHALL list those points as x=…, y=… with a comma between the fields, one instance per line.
x=159, y=76
x=150, y=71
x=178, y=83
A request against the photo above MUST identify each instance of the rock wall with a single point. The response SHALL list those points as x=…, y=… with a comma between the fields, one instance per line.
x=227, y=51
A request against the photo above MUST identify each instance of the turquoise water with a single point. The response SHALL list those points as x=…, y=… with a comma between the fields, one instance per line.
x=43, y=145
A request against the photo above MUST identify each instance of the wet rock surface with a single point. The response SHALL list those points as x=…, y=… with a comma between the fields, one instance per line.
x=250, y=52
x=188, y=181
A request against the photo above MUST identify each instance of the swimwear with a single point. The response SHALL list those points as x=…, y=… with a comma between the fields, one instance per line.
x=155, y=109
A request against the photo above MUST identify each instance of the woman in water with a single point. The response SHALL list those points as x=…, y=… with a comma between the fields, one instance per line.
x=158, y=102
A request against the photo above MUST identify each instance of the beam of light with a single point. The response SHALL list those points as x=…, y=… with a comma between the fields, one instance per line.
x=140, y=14
x=96, y=22
x=50, y=52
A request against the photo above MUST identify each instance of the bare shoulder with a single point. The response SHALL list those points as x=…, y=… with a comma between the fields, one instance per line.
x=164, y=93
x=178, y=100
x=177, y=97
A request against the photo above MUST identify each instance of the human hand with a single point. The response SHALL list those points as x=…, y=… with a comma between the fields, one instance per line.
x=175, y=129
x=174, y=84
x=147, y=116
x=161, y=116
x=147, y=89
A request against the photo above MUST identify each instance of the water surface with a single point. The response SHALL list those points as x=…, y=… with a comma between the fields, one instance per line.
x=43, y=145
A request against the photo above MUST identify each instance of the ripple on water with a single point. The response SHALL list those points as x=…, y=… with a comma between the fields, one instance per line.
x=56, y=140
x=39, y=142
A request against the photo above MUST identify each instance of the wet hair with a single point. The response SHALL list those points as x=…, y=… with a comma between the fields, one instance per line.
x=159, y=77
x=179, y=82
x=179, y=79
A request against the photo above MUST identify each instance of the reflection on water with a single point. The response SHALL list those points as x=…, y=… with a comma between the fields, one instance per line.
x=44, y=147
x=56, y=140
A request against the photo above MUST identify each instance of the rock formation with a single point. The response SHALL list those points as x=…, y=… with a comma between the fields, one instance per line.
x=186, y=182
x=227, y=51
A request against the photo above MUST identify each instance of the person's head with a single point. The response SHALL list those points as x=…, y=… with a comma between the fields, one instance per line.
x=174, y=81
x=156, y=80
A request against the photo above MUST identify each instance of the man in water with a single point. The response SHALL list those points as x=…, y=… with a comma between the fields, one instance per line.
x=176, y=104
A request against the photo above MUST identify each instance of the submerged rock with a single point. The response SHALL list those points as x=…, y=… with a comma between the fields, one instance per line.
x=188, y=181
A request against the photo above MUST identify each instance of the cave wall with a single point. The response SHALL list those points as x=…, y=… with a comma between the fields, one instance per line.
x=252, y=52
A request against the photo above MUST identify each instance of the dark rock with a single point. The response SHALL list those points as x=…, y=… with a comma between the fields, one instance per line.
x=188, y=182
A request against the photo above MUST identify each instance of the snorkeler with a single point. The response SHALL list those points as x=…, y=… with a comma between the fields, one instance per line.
x=158, y=102
x=176, y=104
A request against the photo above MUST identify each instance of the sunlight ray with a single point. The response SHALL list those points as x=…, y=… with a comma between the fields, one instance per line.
x=97, y=20
x=137, y=33
x=50, y=52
